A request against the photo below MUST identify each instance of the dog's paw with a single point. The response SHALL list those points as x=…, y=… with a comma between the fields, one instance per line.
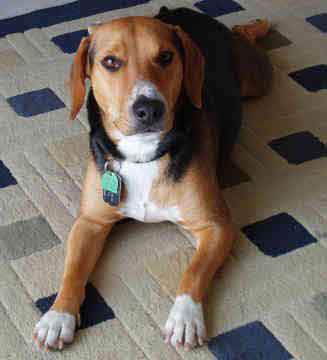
x=54, y=330
x=185, y=325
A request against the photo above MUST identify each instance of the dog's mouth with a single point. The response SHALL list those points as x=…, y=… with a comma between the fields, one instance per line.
x=155, y=128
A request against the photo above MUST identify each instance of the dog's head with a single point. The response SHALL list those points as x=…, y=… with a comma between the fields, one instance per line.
x=138, y=67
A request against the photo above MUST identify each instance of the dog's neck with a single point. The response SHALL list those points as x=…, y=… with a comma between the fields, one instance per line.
x=179, y=142
x=138, y=148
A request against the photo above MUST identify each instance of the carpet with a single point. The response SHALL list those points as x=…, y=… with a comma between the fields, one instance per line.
x=269, y=301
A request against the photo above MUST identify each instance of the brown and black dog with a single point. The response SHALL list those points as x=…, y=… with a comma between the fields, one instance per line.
x=152, y=131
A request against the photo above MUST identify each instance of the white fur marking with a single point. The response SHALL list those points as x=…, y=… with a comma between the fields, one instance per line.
x=54, y=326
x=145, y=88
x=138, y=147
x=186, y=322
x=138, y=179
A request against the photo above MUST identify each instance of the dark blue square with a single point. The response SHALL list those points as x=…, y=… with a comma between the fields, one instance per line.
x=278, y=235
x=319, y=21
x=93, y=311
x=6, y=178
x=313, y=78
x=35, y=102
x=91, y=7
x=249, y=342
x=62, y=13
x=216, y=8
x=299, y=147
x=69, y=42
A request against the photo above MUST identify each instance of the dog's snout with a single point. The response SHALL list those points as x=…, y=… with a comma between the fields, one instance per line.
x=148, y=111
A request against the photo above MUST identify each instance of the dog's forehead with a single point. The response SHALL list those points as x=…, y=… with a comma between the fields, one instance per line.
x=132, y=29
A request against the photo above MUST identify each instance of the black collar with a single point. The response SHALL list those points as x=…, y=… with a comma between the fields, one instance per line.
x=179, y=142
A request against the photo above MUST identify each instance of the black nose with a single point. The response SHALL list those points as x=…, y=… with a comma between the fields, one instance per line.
x=148, y=111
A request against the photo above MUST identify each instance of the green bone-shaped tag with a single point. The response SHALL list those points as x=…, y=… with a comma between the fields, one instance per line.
x=110, y=182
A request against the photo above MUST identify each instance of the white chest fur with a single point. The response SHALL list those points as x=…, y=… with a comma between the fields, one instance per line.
x=137, y=181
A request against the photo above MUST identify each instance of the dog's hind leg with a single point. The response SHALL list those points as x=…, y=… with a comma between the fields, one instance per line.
x=252, y=65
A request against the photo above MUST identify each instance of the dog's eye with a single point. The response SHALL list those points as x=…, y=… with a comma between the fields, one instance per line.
x=112, y=63
x=165, y=58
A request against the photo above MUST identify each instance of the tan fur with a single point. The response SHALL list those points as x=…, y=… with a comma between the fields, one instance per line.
x=193, y=69
x=137, y=41
x=204, y=212
x=77, y=78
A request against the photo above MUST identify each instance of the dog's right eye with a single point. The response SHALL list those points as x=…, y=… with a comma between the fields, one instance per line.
x=112, y=63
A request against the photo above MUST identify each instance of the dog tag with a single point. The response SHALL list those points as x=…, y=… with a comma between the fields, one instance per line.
x=111, y=187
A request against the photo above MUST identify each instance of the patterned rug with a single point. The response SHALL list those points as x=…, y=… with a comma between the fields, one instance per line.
x=270, y=299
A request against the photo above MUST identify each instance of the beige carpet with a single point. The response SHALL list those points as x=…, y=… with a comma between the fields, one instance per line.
x=269, y=301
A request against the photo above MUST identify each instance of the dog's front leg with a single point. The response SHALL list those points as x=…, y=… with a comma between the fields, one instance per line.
x=84, y=247
x=185, y=325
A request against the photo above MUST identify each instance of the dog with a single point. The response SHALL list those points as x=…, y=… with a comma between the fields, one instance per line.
x=164, y=104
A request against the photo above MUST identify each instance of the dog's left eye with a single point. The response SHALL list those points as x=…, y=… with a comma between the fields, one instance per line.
x=165, y=58
x=112, y=63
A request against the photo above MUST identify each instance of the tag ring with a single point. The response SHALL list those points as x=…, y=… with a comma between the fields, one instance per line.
x=110, y=164
x=107, y=165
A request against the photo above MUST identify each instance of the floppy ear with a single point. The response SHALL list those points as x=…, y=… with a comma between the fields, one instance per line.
x=193, y=68
x=78, y=74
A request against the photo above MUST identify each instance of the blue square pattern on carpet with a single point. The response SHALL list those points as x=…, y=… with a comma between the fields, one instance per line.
x=6, y=178
x=216, y=8
x=278, y=235
x=313, y=78
x=35, y=102
x=63, y=13
x=88, y=7
x=299, y=147
x=69, y=42
x=93, y=311
x=319, y=21
x=252, y=341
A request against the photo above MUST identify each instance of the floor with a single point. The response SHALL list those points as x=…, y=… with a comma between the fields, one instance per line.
x=11, y=8
x=270, y=299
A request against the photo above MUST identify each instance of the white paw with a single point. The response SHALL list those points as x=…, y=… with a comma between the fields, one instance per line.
x=54, y=330
x=185, y=324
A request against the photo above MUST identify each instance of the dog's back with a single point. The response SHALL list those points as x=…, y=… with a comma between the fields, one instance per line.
x=221, y=87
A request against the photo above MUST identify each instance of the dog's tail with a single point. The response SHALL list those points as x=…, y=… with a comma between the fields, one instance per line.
x=252, y=65
x=253, y=30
